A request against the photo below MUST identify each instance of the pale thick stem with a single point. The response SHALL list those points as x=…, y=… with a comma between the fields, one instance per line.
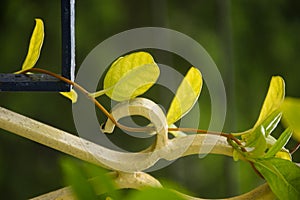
x=126, y=162
x=140, y=180
x=48, y=136
x=65, y=193
x=93, y=153
x=137, y=180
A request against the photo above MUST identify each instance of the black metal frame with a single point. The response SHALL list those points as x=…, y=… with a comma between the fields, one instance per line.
x=43, y=82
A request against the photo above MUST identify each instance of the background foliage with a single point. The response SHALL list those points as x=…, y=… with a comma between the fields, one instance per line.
x=249, y=40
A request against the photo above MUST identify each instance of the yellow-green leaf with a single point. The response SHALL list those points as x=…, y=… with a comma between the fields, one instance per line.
x=35, y=46
x=291, y=115
x=98, y=93
x=273, y=100
x=271, y=105
x=267, y=121
x=72, y=95
x=259, y=136
x=130, y=76
x=186, y=95
x=279, y=144
x=283, y=155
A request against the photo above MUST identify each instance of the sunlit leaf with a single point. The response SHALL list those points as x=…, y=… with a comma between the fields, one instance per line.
x=258, y=136
x=268, y=119
x=35, y=46
x=271, y=106
x=283, y=154
x=283, y=176
x=291, y=115
x=186, y=95
x=130, y=76
x=72, y=95
x=280, y=143
x=273, y=100
x=135, y=83
x=271, y=122
x=257, y=140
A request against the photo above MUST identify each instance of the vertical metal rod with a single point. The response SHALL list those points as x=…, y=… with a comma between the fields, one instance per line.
x=68, y=38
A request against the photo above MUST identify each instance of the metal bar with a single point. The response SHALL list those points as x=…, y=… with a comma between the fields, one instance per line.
x=68, y=38
x=31, y=82
x=41, y=82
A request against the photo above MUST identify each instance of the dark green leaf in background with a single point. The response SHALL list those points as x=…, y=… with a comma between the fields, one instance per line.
x=74, y=176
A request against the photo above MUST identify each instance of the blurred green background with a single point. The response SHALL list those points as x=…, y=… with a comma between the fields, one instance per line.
x=249, y=40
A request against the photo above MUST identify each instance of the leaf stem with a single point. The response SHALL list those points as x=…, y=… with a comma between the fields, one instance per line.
x=227, y=135
x=77, y=86
x=292, y=151
x=89, y=96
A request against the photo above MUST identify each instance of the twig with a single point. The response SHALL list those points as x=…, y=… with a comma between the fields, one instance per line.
x=77, y=86
x=87, y=94
x=292, y=151
x=140, y=180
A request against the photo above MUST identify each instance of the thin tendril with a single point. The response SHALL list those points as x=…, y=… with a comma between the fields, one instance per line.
x=295, y=149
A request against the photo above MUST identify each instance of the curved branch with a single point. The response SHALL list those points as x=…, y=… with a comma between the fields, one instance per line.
x=93, y=153
x=140, y=180
x=88, y=151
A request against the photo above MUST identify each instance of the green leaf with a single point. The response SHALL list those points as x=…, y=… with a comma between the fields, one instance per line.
x=74, y=176
x=268, y=119
x=291, y=115
x=257, y=137
x=101, y=181
x=72, y=95
x=257, y=140
x=280, y=143
x=237, y=152
x=283, y=176
x=186, y=95
x=35, y=46
x=130, y=76
x=155, y=193
x=271, y=122
x=273, y=100
x=235, y=155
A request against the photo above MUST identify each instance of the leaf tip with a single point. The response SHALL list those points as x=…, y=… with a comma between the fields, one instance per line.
x=72, y=95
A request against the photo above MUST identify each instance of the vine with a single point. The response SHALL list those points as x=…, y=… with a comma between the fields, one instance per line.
x=132, y=75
